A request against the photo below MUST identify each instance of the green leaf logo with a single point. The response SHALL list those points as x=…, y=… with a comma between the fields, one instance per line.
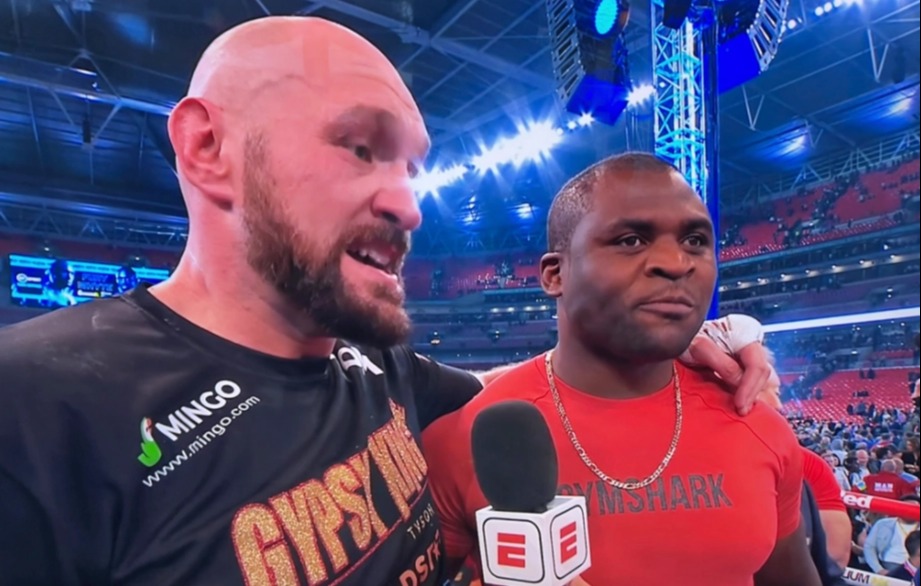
x=150, y=451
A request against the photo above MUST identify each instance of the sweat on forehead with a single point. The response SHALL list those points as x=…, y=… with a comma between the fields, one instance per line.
x=575, y=199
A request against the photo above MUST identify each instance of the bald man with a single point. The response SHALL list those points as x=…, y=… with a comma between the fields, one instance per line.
x=254, y=419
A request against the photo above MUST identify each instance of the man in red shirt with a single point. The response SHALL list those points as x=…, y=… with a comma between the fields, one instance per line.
x=887, y=482
x=658, y=451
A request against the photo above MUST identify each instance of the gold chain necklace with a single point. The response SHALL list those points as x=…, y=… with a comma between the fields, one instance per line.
x=679, y=415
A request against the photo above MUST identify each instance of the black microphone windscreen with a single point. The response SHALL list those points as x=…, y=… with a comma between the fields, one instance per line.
x=514, y=457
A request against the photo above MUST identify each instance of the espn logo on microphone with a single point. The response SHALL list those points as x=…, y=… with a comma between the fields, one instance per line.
x=543, y=549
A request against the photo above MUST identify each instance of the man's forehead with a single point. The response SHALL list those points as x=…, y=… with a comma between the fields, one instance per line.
x=345, y=62
x=353, y=75
x=639, y=210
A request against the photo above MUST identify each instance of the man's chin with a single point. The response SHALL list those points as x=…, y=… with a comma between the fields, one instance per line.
x=376, y=321
x=662, y=346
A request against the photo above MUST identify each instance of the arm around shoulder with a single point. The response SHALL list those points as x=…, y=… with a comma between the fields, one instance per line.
x=438, y=388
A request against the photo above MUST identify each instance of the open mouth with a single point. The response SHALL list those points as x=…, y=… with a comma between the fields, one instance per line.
x=380, y=255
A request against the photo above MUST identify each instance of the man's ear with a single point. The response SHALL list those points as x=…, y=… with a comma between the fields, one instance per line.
x=196, y=131
x=551, y=274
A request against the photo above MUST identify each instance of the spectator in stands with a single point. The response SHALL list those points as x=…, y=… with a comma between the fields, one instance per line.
x=861, y=523
x=909, y=570
x=884, y=548
x=900, y=470
x=887, y=483
x=911, y=454
x=834, y=460
x=863, y=460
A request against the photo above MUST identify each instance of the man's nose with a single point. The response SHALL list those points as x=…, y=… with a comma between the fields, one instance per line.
x=396, y=202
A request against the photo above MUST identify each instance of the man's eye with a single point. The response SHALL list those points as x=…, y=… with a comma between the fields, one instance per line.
x=362, y=152
x=630, y=241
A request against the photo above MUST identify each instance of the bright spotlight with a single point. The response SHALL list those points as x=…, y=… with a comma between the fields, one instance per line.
x=531, y=144
x=432, y=181
x=640, y=94
x=792, y=24
x=585, y=119
x=828, y=7
x=819, y=11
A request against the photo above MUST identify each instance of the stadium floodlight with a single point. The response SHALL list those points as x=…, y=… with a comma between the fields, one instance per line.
x=589, y=56
x=431, y=181
x=610, y=16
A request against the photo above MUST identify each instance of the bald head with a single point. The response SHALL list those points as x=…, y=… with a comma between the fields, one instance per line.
x=887, y=466
x=292, y=73
x=295, y=150
x=258, y=54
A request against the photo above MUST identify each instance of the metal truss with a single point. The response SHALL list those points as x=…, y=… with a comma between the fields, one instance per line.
x=55, y=219
x=418, y=36
x=680, y=121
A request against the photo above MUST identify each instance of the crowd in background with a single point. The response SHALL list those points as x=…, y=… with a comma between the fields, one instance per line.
x=878, y=455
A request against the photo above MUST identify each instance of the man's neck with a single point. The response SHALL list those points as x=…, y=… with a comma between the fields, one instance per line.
x=606, y=377
x=250, y=315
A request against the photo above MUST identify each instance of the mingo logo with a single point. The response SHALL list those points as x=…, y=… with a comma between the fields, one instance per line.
x=185, y=419
x=150, y=450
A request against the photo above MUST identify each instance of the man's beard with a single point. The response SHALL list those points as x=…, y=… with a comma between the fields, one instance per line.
x=309, y=280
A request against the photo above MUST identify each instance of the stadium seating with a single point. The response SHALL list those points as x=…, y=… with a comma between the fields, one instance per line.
x=888, y=390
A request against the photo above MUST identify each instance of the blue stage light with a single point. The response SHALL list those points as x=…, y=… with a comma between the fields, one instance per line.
x=606, y=15
x=589, y=56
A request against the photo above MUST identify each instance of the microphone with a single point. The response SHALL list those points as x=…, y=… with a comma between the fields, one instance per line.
x=527, y=535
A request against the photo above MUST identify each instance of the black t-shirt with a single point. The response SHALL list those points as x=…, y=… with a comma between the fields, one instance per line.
x=136, y=448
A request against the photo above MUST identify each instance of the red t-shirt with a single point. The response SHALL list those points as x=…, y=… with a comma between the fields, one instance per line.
x=731, y=491
x=888, y=485
x=821, y=480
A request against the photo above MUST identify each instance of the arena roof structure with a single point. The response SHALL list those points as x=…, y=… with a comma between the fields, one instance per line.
x=85, y=87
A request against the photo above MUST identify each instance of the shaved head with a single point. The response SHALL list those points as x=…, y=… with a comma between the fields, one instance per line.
x=256, y=55
x=295, y=149
x=575, y=199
